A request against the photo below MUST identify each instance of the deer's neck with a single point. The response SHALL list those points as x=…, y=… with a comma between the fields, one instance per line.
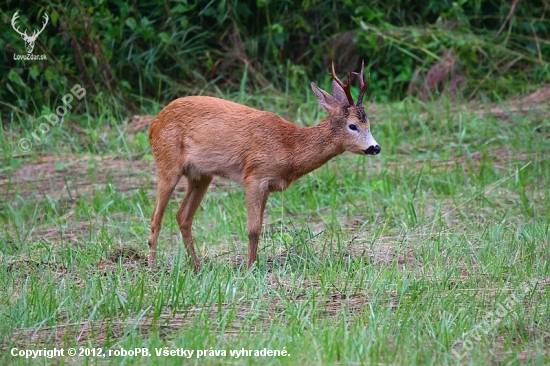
x=314, y=147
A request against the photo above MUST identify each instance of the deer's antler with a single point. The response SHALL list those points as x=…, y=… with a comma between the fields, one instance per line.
x=362, y=85
x=13, y=20
x=43, y=25
x=344, y=87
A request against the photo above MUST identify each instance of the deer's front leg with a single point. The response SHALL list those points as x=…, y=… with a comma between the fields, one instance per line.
x=256, y=198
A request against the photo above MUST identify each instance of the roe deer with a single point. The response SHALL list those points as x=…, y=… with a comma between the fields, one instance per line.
x=200, y=137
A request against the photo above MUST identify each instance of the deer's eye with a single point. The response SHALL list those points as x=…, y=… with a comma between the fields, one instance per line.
x=352, y=127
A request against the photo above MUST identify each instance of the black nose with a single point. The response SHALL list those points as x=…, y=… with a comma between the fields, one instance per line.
x=373, y=150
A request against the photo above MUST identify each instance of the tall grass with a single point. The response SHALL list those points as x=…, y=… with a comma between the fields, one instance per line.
x=393, y=259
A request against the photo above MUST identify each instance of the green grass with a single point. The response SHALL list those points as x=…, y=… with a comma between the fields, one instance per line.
x=394, y=259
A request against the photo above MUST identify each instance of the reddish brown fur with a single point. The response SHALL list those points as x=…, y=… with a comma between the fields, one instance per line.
x=200, y=137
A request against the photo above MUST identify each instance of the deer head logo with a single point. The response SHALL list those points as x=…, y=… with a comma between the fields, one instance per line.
x=29, y=40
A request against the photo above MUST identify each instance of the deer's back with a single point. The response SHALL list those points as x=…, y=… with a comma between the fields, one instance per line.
x=219, y=137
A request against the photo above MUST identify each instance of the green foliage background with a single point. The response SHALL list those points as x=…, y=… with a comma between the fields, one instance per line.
x=131, y=54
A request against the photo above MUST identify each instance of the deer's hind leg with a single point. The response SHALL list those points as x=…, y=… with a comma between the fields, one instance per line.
x=165, y=187
x=196, y=189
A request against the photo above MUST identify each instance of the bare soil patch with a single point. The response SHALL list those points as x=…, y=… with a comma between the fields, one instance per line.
x=68, y=177
x=537, y=103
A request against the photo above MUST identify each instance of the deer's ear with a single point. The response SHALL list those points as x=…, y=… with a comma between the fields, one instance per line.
x=339, y=94
x=327, y=101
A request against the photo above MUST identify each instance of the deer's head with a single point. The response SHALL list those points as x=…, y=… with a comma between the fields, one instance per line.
x=29, y=40
x=349, y=120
